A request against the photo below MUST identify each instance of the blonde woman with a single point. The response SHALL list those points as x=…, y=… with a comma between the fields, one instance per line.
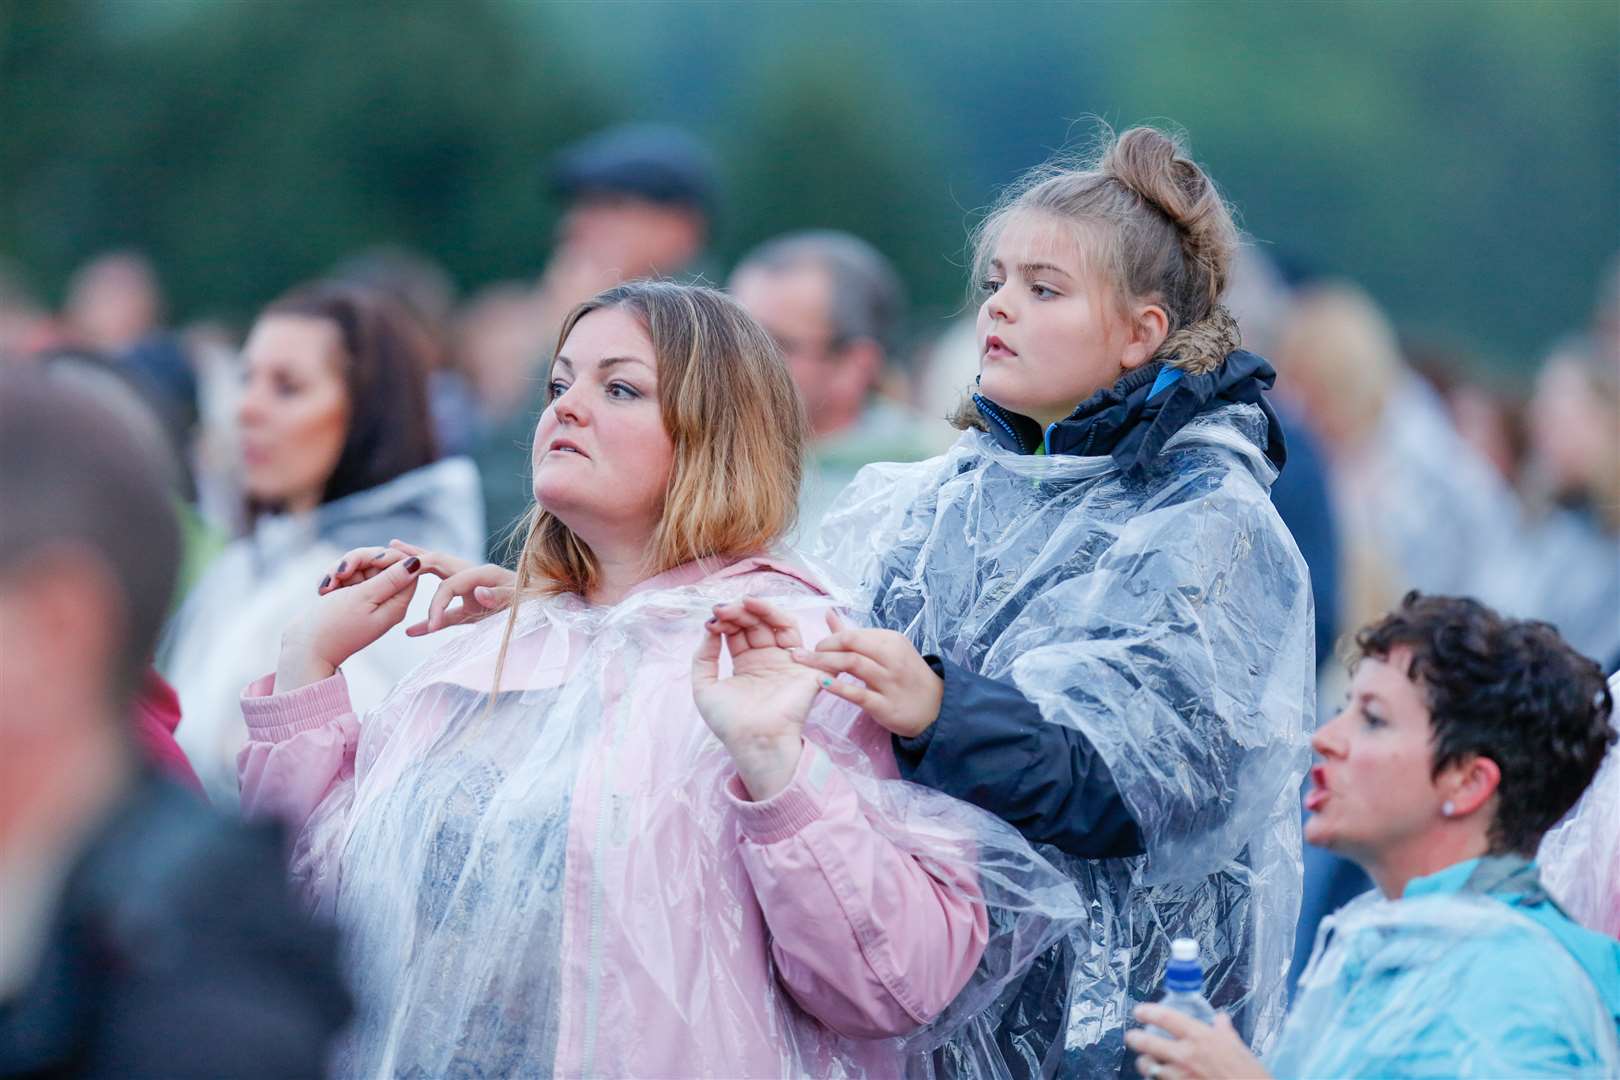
x=654, y=848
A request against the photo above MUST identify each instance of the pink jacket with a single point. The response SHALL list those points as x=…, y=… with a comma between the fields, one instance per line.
x=684, y=906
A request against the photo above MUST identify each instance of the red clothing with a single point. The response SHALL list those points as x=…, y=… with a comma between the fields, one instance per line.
x=157, y=714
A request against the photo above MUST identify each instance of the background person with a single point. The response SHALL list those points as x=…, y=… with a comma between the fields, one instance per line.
x=141, y=934
x=337, y=450
x=836, y=309
x=1465, y=738
x=1568, y=570
x=1416, y=505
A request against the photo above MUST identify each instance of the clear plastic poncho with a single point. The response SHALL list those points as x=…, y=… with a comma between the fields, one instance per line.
x=551, y=883
x=1166, y=615
x=1456, y=985
x=1580, y=856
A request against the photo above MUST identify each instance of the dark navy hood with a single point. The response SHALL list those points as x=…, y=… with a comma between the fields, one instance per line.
x=1133, y=419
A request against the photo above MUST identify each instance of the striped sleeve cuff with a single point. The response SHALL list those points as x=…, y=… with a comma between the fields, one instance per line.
x=801, y=803
x=273, y=717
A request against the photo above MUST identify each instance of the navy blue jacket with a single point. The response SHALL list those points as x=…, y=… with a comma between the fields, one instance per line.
x=989, y=745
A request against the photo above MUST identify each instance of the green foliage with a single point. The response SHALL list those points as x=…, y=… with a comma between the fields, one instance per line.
x=844, y=154
x=252, y=145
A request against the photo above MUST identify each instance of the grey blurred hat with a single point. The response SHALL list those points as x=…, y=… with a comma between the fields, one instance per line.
x=648, y=161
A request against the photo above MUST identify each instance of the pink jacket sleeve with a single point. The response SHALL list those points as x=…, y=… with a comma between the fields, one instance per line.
x=300, y=748
x=865, y=939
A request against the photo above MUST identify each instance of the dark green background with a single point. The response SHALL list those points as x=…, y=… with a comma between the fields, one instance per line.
x=1459, y=159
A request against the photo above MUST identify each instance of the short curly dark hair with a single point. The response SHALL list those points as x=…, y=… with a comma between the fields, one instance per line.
x=1506, y=689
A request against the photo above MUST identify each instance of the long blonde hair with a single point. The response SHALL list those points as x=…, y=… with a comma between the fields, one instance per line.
x=738, y=426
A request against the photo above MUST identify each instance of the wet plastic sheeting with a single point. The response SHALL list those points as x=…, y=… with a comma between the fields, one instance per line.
x=1443, y=986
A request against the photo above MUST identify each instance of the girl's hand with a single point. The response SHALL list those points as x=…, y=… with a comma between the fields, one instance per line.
x=902, y=693
x=758, y=713
x=347, y=619
x=1196, y=1052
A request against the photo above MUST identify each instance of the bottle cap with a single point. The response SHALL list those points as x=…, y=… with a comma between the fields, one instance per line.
x=1184, y=950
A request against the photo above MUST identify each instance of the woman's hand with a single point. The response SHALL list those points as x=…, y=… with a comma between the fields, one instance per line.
x=758, y=713
x=902, y=693
x=1197, y=1052
x=348, y=618
x=483, y=589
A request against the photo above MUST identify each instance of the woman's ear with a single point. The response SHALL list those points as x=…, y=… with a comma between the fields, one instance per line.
x=1146, y=328
x=1471, y=782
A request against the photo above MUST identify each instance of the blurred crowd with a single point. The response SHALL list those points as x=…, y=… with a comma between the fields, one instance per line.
x=1438, y=473
x=382, y=399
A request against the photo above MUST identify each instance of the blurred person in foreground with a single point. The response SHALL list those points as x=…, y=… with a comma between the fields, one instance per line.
x=580, y=840
x=155, y=706
x=835, y=307
x=639, y=202
x=141, y=934
x=1466, y=736
x=337, y=451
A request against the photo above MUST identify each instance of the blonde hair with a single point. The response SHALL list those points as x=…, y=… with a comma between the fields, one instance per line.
x=1152, y=225
x=1342, y=352
x=738, y=426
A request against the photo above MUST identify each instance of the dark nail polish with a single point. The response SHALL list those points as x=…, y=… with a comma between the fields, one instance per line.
x=325, y=581
x=412, y=564
x=342, y=566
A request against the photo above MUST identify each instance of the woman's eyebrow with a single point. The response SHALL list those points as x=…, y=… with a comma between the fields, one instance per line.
x=611, y=361
x=1031, y=269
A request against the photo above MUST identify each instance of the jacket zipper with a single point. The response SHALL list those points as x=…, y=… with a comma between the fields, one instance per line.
x=990, y=409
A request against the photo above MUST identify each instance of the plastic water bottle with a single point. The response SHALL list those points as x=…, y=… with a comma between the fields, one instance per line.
x=1184, y=985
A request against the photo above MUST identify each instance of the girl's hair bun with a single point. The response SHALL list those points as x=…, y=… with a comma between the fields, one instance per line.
x=1156, y=168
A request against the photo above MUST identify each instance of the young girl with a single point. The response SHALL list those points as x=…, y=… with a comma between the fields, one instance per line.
x=1090, y=619
x=637, y=857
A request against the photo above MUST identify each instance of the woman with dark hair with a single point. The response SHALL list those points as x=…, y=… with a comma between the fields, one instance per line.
x=1466, y=736
x=337, y=450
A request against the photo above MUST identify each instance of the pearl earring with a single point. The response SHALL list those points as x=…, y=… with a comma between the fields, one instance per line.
x=1447, y=808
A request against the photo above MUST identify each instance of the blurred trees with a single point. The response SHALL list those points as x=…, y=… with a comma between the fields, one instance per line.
x=247, y=146
x=1458, y=159
x=844, y=154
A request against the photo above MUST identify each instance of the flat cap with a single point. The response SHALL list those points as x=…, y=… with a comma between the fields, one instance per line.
x=648, y=161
